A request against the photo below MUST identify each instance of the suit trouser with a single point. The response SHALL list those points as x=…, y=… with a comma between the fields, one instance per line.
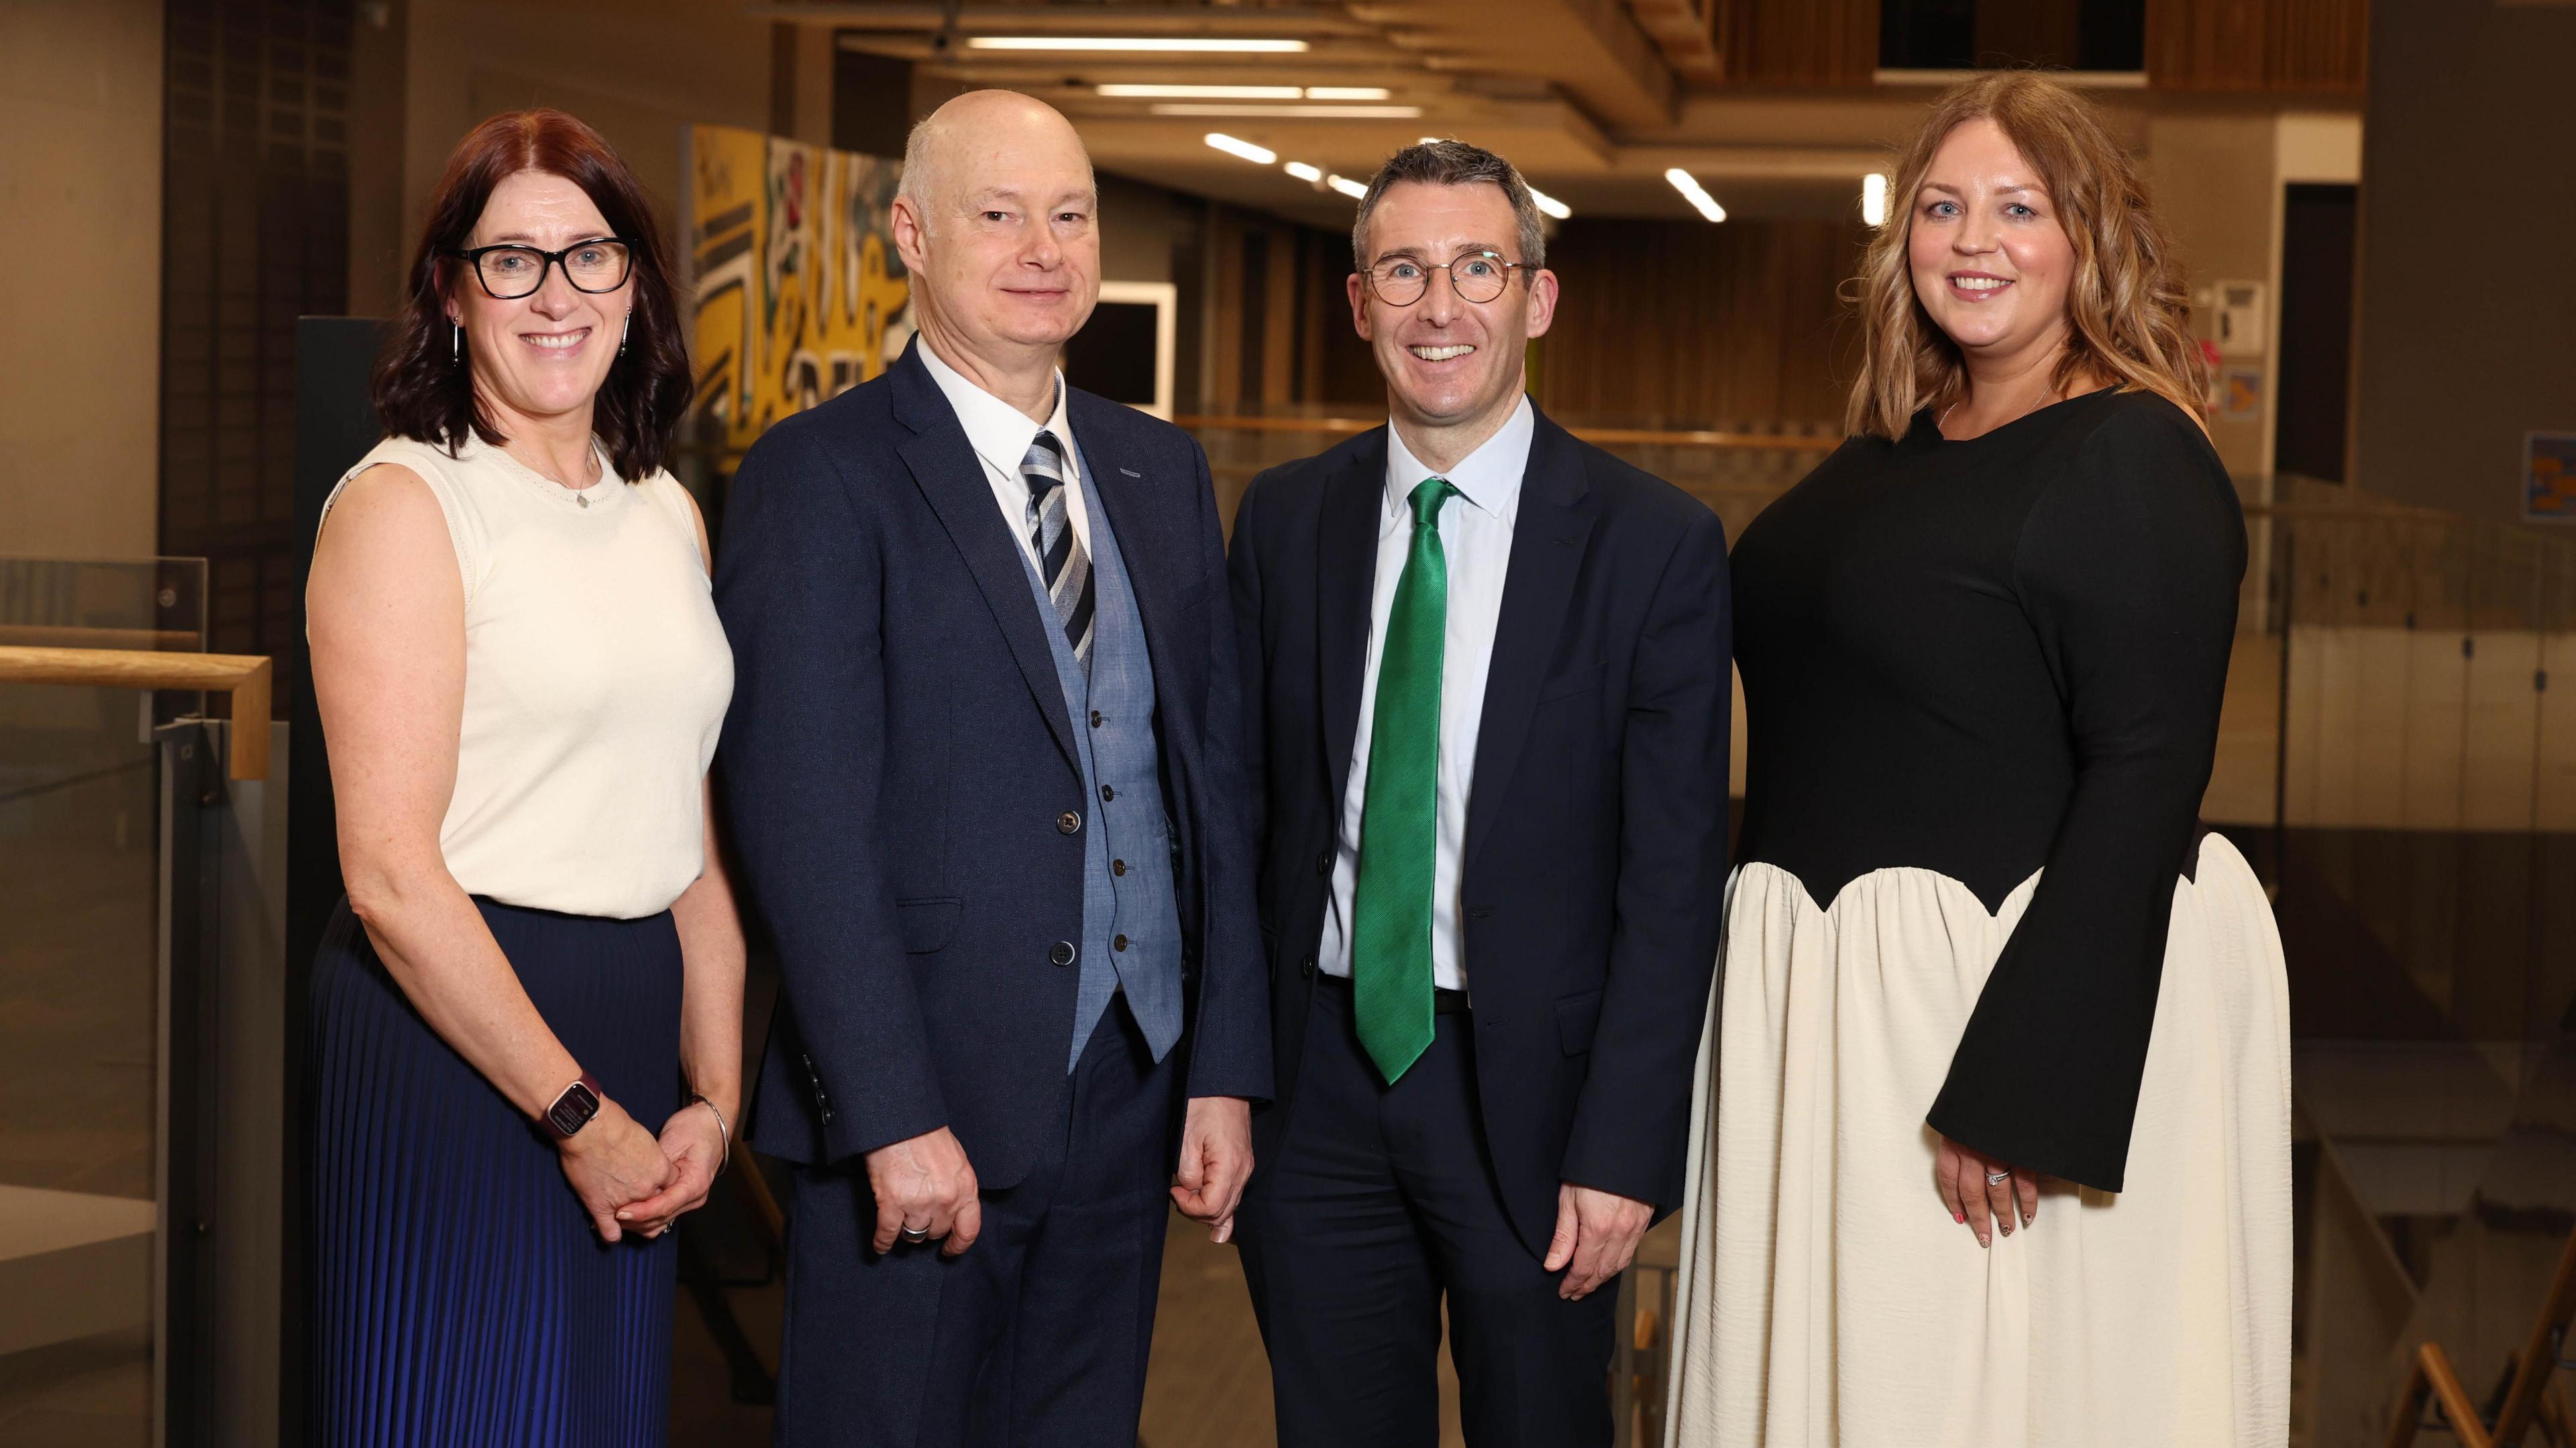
x=1035, y=1335
x=1382, y=1203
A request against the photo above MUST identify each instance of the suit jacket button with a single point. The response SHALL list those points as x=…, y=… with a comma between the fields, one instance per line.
x=1307, y=969
x=1063, y=952
x=1068, y=823
x=1324, y=863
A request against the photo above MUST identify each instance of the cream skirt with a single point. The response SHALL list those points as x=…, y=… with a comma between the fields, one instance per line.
x=1825, y=1295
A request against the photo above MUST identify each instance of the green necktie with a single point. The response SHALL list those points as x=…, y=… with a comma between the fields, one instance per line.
x=1399, y=815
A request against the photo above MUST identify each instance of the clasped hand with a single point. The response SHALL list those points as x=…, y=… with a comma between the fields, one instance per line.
x=631, y=1181
x=1965, y=1178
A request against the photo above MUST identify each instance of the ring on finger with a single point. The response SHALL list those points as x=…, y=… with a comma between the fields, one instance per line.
x=1998, y=1178
x=916, y=1235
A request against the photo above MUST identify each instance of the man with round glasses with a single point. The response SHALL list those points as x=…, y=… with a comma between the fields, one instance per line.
x=1492, y=896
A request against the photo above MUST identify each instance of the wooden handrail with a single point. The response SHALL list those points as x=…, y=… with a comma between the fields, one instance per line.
x=2432, y=1377
x=2538, y=1359
x=2526, y=1401
x=244, y=676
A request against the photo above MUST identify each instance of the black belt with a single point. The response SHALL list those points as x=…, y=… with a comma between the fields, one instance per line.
x=1444, y=1002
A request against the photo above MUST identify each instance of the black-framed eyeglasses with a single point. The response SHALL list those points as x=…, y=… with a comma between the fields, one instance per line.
x=1477, y=276
x=511, y=270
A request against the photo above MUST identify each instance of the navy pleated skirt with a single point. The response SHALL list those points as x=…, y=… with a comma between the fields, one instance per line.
x=460, y=1295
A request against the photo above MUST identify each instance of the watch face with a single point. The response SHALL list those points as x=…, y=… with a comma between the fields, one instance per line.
x=573, y=1109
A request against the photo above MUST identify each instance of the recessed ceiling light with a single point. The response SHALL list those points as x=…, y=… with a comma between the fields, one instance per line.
x=1304, y=172
x=1353, y=189
x=1873, y=198
x=1347, y=92
x=1694, y=193
x=1257, y=155
x=1201, y=44
x=1549, y=204
x=1312, y=113
x=1433, y=140
x=1198, y=92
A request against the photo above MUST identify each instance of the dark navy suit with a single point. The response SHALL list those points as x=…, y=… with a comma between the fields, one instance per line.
x=904, y=782
x=1591, y=895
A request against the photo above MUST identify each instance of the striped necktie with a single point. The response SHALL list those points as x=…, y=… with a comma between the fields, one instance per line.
x=1062, y=564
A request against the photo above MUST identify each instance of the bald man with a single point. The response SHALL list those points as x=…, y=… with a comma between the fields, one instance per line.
x=984, y=772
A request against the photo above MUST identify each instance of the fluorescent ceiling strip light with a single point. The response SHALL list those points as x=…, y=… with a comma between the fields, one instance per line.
x=1549, y=204
x=1304, y=172
x=1125, y=91
x=1257, y=155
x=1697, y=195
x=1873, y=198
x=1241, y=45
x=1312, y=113
x=1348, y=187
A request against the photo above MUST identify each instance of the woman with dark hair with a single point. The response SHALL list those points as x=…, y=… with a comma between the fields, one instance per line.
x=521, y=677
x=1979, y=959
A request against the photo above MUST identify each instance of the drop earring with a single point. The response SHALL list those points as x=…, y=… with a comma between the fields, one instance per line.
x=456, y=343
x=622, y=329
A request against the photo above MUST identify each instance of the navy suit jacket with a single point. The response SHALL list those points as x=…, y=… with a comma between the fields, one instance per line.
x=1596, y=838
x=899, y=763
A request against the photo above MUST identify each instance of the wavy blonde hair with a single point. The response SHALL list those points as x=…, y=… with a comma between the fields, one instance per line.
x=2128, y=307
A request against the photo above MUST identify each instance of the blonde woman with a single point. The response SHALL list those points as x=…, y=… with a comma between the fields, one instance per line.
x=1995, y=1146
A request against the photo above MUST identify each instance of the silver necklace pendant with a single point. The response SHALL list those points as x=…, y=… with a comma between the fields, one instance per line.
x=582, y=498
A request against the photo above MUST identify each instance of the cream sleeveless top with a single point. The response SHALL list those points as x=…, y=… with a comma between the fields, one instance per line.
x=596, y=678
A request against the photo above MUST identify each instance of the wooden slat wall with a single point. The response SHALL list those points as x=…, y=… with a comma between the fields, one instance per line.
x=2259, y=45
x=1798, y=42
x=1686, y=325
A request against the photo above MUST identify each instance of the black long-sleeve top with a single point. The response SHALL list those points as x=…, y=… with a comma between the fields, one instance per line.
x=1985, y=657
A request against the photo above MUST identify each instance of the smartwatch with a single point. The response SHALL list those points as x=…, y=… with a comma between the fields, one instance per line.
x=574, y=1108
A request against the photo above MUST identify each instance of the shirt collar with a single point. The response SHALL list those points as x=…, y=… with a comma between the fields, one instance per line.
x=1489, y=477
x=999, y=433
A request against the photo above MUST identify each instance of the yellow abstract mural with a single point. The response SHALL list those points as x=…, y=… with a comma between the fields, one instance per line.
x=799, y=295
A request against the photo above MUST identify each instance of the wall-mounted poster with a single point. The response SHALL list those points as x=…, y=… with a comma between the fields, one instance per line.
x=2240, y=393
x=2549, y=477
x=798, y=295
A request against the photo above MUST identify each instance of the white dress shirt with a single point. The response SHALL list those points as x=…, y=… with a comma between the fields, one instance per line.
x=1000, y=435
x=1476, y=539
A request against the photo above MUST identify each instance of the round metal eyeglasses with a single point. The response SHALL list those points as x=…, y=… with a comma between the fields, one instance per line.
x=511, y=271
x=1477, y=276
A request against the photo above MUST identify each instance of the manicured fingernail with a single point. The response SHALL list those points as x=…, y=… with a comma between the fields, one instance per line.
x=1959, y=1217
x=2007, y=1229
x=621, y=1214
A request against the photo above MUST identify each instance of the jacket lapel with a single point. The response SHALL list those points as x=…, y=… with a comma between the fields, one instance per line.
x=950, y=476
x=1556, y=516
x=1129, y=494
x=1345, y=575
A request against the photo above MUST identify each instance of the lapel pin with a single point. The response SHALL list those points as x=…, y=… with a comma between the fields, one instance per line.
x=1131, y=472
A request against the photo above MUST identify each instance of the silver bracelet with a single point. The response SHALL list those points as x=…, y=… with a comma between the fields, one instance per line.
x=699, y=1099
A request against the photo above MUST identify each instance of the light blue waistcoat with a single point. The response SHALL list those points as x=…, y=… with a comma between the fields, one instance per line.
x=1131, y=921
